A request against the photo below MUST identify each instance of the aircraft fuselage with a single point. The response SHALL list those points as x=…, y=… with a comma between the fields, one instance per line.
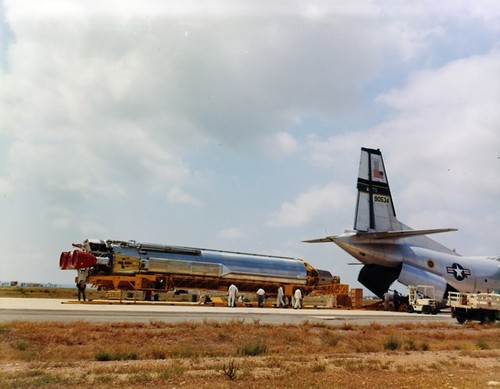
x=465, y=274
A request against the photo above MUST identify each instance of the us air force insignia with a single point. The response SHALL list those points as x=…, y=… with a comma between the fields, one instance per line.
x=458, y=271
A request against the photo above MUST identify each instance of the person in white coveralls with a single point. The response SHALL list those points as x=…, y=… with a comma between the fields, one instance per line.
x=279, y=298
x=298, y=299
x=231, y=298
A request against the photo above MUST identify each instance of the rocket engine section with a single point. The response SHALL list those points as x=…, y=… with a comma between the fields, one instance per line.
x=76, y=259
x=162, y=266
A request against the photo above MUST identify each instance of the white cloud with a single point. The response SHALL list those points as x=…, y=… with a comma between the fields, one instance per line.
x=91, y=226
x=311, y=204
x=447, y=120
x=60, y=217
x=232, y=233
x=280, y=144
x=6, y=187
x=335, y=152
x=178, y=196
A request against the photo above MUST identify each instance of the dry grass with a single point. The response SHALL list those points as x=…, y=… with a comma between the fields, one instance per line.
x=48, y=292
x=243, y=355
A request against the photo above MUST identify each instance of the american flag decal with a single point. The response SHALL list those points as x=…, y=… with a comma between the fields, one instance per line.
x=377, y=173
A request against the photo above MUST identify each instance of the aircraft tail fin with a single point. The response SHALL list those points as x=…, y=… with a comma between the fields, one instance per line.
x=374, y=209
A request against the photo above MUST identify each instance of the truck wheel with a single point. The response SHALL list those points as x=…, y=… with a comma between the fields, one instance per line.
x=426, y=309
x=461, y=319
x=487, y=317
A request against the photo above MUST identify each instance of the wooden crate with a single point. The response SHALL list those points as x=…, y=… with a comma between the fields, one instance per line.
x=356, y=295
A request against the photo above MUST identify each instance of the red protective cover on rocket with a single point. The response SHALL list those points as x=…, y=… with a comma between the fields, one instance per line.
x=63, y=260
x=76, y=259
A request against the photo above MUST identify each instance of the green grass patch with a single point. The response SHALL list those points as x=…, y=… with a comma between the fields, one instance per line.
x=392, y=344
x=253, y=349
x=104, y=356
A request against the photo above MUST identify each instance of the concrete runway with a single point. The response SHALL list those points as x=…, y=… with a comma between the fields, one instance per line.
x=31, y=309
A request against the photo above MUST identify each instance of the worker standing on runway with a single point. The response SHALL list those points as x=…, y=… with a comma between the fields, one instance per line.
x=279, y=298
x=298, y=299
x=396, y=300
x=231, y=298
x=81, y=289
x=260, y=296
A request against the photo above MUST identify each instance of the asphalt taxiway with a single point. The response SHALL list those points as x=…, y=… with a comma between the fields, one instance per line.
x=32, y=309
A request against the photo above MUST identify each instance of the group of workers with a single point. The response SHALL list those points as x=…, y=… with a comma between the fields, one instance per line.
x=231, y=298
x=261, y=296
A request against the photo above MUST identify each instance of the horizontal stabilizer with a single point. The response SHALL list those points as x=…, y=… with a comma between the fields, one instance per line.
x=328, y=239
x=400, y=234
x=369, y=236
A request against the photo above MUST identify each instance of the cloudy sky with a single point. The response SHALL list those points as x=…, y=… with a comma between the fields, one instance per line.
x=238, y=125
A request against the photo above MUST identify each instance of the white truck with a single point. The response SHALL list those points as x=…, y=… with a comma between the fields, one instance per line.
x=421, y=299
x=484, y=307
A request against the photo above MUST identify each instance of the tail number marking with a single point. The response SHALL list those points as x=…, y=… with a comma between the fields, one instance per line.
x=381, y=199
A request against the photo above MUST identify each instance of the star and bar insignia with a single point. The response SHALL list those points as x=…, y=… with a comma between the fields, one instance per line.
x=458, y=271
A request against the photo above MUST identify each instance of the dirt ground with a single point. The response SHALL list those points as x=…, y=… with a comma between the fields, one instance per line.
x=242, y=355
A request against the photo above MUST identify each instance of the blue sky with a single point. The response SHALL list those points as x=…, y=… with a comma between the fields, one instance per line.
x=238, y=126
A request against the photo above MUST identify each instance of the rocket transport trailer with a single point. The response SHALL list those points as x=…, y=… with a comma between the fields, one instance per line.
x=120, y=265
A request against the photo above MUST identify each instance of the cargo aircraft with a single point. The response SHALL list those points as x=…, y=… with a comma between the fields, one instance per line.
x=390, y=250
